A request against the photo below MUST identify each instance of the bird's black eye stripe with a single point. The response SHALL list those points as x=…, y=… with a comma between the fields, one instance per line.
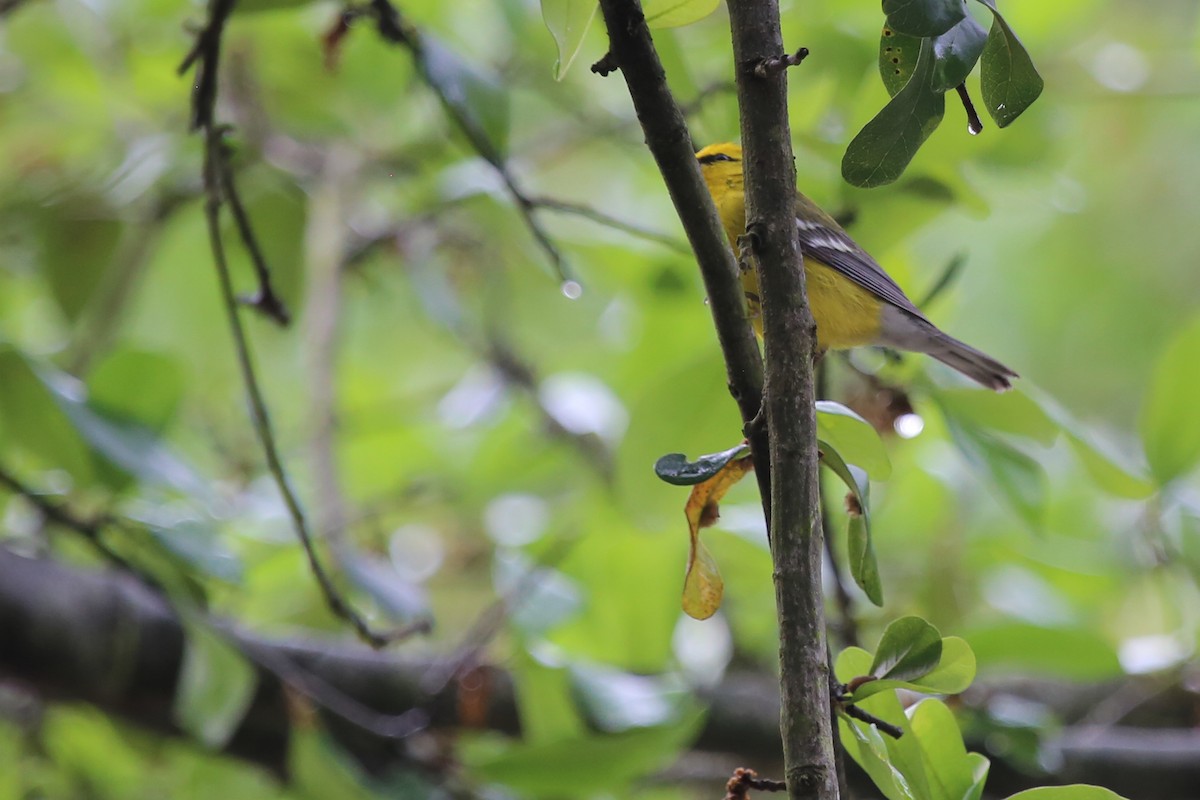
x=712, y=158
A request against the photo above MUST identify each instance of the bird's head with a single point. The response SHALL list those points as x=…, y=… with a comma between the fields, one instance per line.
x=721, y=163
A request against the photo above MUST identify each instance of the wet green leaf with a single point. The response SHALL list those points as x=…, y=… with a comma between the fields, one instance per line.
x=884, y=147
x=1009, y=81
x=923, y=17
x=674, y=468
x=898, y=54
x=955, y=53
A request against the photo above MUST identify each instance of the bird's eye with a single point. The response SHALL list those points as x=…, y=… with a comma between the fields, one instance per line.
x=712, y=158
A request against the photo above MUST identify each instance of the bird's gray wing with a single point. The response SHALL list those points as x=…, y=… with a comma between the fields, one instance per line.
x=831, y=245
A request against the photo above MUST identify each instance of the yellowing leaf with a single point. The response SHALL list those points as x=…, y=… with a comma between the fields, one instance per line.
x=702, y=585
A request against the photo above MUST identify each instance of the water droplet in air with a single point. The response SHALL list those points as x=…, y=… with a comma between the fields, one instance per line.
x=571, y=290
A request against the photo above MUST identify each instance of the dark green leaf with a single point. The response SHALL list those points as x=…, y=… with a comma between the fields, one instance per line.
x=955, y=53
x=923, y=17
x=898, y=54
x=1169, y=423
x=883, y=148
x=909, y=649
x=1009, y=81
x=674, y=468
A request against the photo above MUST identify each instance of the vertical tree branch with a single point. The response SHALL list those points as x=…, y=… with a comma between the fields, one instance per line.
x=789, y=334
x=632, y=51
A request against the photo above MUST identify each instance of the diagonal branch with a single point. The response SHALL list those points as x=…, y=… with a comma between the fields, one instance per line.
x=632, y=51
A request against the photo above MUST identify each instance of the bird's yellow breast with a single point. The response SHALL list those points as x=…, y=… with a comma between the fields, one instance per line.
x=847, y=315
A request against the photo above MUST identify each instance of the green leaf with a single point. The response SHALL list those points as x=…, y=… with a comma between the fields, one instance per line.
x=79, y=241
x=1009, y=81
x=674, y=468
x=863, y=566
x=949, y=769
x=953, y=674
x=955, y=670
x=898, y=54
x=1072, y=653
x=885, y=146
x=578, y=767
x=216, y=685
x=855, y=439
x=1011, y=412
x=1020, y=479
x=1169, y=424
x=923, y=17
x=1077, y=791
x=869, y=750
x=568, y=22
x=472, y=94
x=955, y=53
x=676, y=13
x=47, y=412
x=138, y=385
x=861, y=550
x=32, y=420
x=909, y=649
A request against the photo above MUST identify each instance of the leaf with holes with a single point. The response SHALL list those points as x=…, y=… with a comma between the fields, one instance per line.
x=880, y=152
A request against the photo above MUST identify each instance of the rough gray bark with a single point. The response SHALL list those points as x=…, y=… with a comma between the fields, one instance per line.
x=789, y=334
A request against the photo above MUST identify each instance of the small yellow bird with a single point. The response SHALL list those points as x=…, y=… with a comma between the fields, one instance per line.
x=854, y=302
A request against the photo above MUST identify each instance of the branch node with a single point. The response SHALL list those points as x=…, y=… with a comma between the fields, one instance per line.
x=606, y=66
x=777, y=64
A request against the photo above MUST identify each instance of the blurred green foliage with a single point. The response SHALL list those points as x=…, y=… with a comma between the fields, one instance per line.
x=1054, y=528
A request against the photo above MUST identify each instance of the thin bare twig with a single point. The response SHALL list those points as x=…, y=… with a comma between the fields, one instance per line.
x=744, y=780
x=392, y=27
x=58, y=513
x=609, y=221
x=205, y=55
x=884, y=726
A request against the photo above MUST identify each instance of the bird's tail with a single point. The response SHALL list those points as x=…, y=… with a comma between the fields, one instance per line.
x=912, y=333
x=976, y=365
